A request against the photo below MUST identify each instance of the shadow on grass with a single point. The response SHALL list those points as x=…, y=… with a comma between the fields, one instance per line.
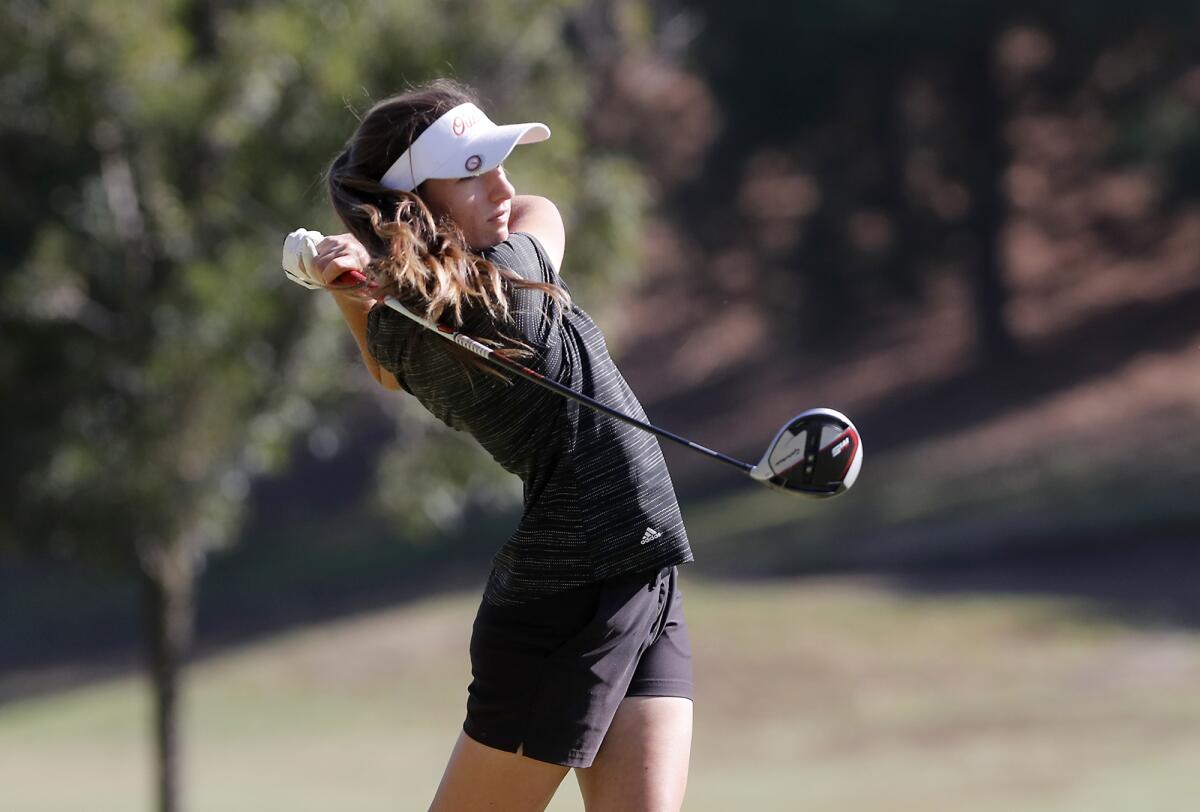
x=66, y=626
x=1140, y=578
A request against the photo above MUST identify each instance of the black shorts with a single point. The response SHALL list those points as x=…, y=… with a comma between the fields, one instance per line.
x=548, y=675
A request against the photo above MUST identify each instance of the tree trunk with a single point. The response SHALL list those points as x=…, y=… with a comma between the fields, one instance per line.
x=168, y=578
x=900, y=269
x=984, y=107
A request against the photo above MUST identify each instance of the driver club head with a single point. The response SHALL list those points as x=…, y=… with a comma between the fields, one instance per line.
x=817, y=454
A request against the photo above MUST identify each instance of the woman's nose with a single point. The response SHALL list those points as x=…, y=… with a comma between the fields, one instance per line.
x=499, y=187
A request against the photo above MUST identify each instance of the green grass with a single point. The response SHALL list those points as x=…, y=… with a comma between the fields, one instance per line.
x=829, y=694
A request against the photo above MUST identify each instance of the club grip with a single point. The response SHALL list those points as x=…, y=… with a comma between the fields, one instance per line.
x=350, y=278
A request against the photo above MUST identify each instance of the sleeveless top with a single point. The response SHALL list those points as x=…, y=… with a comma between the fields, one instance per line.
x=598, y=500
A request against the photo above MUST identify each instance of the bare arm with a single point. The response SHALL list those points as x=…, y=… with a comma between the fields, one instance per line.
x=354, y=311
x=539, y=216
x=336, y=255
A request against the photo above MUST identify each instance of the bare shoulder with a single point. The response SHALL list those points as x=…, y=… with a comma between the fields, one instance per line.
x=540, y=217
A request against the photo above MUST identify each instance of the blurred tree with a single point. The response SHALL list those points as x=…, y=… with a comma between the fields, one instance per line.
x=155, y=360
x=151, y=364
x=865, y=143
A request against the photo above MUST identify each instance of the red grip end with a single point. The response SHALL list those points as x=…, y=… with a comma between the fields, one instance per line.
x=350, y=278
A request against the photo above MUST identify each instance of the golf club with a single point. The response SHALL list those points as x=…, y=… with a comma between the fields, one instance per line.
x=817, y=454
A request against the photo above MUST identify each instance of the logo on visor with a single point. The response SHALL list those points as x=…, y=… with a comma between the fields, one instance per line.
x=463, y=123
x=473, y=163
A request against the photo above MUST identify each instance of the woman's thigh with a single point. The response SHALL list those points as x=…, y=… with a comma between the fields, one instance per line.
x=642, y=765
x=479, y=777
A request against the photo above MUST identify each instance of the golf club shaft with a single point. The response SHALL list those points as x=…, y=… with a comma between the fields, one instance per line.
x=485, y=352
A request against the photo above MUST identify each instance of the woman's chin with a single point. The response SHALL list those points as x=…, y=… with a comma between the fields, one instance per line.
x=495, y=234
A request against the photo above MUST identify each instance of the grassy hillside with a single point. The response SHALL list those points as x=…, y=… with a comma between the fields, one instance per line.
x=817, y=694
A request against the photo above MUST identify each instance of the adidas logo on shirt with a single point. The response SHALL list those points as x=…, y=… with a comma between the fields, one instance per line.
x=650, y=535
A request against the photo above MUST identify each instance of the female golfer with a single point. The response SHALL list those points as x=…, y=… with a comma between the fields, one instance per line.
x=579, y=652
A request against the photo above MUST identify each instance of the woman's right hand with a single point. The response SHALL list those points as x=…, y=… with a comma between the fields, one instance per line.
x=341, y=260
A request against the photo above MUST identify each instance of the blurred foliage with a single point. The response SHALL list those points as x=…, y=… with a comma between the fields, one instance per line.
x=155, y=361
x=150, y=363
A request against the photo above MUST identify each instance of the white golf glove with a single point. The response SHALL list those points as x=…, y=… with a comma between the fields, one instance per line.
x=299, y=258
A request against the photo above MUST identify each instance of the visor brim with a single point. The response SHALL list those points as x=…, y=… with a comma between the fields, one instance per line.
x=488, y=150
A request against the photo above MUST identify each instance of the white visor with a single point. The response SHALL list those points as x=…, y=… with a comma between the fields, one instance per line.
x=461, y=143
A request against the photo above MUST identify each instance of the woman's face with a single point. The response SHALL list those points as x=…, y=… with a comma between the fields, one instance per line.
x=480, y=205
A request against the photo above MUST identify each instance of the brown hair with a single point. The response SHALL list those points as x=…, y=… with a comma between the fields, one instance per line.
x=422, y=260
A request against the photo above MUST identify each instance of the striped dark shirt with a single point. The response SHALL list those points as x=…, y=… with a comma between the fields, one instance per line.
x=598, y=500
